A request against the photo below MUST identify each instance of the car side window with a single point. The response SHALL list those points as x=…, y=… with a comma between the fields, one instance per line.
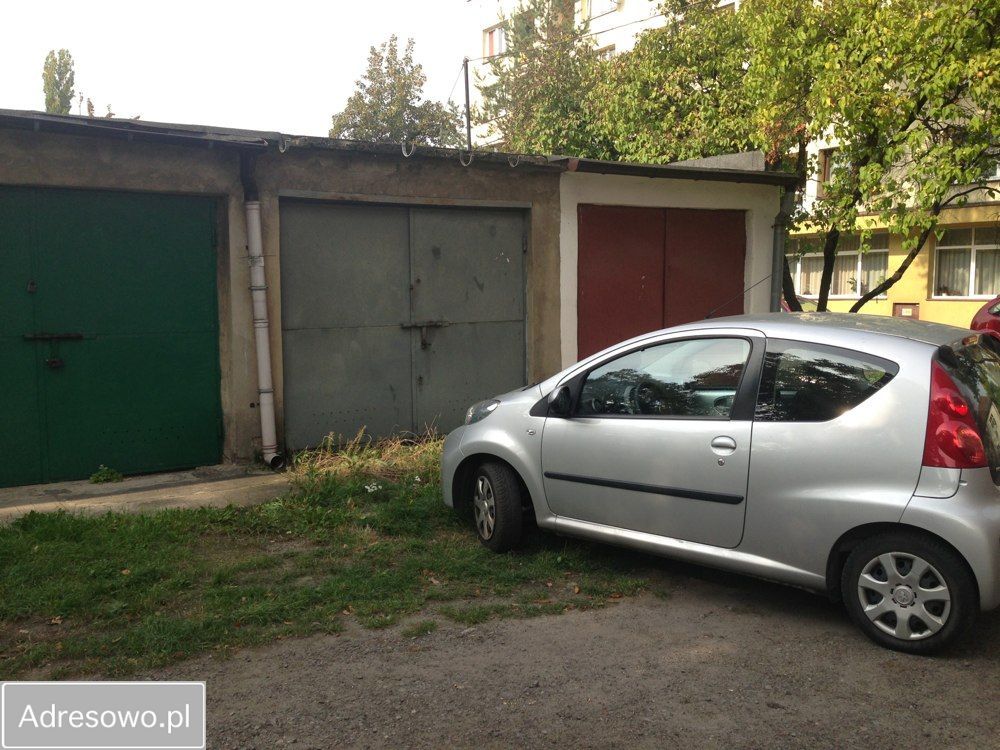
x=805, y=382
x=689, y=378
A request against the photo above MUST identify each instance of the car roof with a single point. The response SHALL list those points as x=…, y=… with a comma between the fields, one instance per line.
x=794, y=325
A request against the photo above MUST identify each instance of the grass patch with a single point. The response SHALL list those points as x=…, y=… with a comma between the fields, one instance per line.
x=363, y=534
x=419, y=629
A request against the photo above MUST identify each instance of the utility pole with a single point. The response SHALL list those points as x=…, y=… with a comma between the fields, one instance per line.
x=468, y=116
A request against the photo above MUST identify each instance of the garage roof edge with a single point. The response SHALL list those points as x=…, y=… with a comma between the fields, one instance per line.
x=182, y=134
x=144, y=130
x=131, y=129
x=670, y=171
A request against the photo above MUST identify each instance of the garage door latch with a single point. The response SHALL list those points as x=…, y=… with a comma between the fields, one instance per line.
x=424, y=327
x=53, y=336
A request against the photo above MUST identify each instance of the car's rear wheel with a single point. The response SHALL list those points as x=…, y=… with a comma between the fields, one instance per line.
x=908, y=592
x=497, y=506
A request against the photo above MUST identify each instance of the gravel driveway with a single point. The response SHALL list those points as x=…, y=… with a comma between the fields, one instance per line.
x=706, y=660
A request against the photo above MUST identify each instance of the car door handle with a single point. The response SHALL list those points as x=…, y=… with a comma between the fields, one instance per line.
x=723, y=445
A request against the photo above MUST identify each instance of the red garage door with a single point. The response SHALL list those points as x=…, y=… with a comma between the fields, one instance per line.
x=640, y=269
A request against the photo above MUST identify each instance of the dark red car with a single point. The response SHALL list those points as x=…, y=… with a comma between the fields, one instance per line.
x=988, y=317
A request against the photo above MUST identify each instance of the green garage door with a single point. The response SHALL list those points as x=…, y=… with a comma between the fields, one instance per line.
x=108, y=333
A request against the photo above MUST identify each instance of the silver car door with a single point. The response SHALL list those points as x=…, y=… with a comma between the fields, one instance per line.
x=659, y=440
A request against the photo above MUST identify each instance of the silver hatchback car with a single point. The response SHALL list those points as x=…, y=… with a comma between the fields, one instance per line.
x=853, y=455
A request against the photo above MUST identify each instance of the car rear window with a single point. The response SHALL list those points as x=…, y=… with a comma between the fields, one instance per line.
x=974, y=365
x=804, y=382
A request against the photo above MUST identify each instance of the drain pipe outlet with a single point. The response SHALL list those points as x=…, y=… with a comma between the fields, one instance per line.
x=258, y=293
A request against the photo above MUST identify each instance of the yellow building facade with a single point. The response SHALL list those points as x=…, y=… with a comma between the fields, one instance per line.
x=948, y=282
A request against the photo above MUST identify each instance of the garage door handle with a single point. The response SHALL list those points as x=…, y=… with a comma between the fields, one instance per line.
x=424, y=327
x=53, y=337
x=426, y=324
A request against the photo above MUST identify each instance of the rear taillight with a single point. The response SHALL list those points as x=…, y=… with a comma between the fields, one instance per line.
x=952, y=440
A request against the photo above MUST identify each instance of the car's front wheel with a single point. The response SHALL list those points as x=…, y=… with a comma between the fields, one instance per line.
x=497, y=506
x=909, y=592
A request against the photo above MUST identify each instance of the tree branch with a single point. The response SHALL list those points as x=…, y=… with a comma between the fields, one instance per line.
x=968, y=191
x=788, y=288
x=829, y=258
x=887, y=283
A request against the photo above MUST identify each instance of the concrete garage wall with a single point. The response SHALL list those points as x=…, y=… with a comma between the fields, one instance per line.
x=760, y=202
x=323, y=170
x=49, y=159
x=68, y=161
x=344, y=175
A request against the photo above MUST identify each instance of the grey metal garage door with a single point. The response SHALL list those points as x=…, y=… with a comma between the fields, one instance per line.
x=397, y=318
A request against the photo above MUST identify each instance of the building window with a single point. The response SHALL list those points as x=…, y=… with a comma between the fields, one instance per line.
x=494, y=41
x=854, y=272
x=605, y=53
x=587, y=9
x=967, y=263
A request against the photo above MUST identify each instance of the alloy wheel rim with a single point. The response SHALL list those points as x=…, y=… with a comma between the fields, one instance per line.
x=484, y=504
x=904, y=596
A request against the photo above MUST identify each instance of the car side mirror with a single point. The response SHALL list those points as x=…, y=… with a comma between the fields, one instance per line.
x=560, y=402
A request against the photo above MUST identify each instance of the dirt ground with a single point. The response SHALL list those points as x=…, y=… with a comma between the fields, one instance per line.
x=706, y=660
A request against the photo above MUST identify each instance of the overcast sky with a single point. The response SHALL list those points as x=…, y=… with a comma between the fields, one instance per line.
x=275, y=65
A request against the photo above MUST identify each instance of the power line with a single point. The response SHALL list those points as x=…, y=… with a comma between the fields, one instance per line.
x=457, y=77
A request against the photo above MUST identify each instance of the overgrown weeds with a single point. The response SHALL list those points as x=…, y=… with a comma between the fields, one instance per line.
x=390, y=460
x=105, y=474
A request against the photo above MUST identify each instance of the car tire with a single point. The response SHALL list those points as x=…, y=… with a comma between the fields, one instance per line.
x=909, y=592
x=497, y=506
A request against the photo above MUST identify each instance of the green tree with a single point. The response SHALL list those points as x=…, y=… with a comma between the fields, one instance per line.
x=678, y=94
x=57, y=82
x=534, y=95
x=908, y=90
x=388, y=106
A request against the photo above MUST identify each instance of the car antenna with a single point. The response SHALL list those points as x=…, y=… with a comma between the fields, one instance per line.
x=716, y=309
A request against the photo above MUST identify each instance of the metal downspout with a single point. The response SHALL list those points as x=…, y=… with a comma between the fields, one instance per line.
x=258, y=295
